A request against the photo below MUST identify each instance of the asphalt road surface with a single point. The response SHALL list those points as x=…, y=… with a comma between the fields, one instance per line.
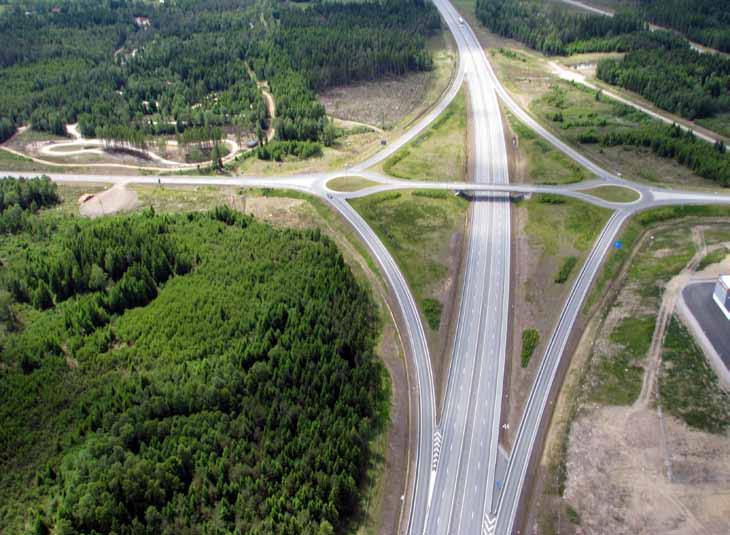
x=465, y=464
x=712, y=321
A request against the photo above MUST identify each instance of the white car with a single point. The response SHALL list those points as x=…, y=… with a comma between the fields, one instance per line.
x=461, y=20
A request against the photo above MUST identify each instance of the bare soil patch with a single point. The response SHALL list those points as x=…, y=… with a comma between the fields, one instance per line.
x=392, y=102
x=114, y=200
x=618, y=478
x=382, y=104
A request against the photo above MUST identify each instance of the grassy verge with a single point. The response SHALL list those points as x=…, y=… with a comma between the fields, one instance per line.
x=688, y=386
x=630, y=234
x=13, y=162
x=417, y=227
x=350, y=183
x=31, y=136
x=545, y=164
x=719, y=124
x=613, y=193
x=439, y=154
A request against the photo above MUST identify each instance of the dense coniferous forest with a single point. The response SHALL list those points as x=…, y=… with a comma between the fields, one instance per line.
x=704, y=21
x=19, y=199
x=199, y=373
x=551, y=29
x=137, y=69
x=681, y=81
x=330, y=44
x=670, y=141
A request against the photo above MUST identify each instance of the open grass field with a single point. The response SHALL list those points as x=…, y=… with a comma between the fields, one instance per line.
x=31, y=136
x=618, y=379
x=440, y=153
x=551, y=237
x=13, y=162
x=560, y=224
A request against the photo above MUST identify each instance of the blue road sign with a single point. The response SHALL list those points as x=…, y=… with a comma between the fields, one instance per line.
x=618, y=245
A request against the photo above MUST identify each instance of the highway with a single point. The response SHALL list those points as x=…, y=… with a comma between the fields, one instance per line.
x=465, y=464
x=454, y=459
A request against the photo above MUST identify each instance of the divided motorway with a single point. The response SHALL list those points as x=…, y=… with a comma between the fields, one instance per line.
x=464, y=462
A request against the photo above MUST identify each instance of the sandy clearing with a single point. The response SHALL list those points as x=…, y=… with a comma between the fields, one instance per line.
x=616, y=463
x=114, y=200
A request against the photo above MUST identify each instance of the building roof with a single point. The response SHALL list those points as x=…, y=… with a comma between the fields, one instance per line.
x=725, y=279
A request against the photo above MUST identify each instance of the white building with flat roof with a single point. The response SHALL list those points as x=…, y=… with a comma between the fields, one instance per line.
x=721, y=295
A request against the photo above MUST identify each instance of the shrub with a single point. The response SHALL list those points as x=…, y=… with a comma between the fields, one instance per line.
x=432, y=310
x=530, y=339
x=566, y=269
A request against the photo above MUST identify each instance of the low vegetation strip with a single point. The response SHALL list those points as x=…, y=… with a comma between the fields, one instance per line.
x=613, y=193
x=350, y=183
x=714, y=257
x=239, y=362
x=688, y=386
